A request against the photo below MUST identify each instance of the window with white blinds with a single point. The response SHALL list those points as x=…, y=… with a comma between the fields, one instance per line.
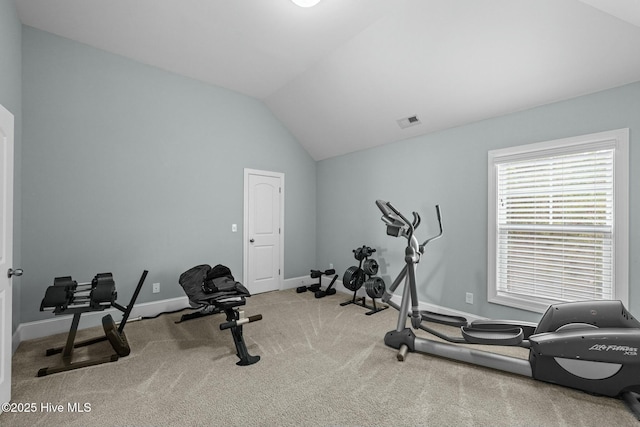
x=556, y=226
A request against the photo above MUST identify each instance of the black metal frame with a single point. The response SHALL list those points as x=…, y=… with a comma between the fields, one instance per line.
x=234, y=322
x=67, y=350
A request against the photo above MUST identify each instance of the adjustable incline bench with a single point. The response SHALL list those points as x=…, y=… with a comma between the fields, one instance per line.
x=66, y=296
x=214, y=290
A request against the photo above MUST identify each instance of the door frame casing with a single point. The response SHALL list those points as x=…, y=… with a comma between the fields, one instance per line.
x=245, y=228
x=6, y=299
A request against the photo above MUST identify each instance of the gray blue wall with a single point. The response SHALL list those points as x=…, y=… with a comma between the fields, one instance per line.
x=127, y=167
x=450, y=168
x=11, y=64
x=11, y=99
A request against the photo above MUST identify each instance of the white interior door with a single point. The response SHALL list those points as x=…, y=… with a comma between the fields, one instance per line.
x=6, y=249
x=263, y=231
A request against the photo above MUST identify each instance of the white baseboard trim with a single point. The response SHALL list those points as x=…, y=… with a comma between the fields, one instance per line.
x=61, y=324
x=306, y=281
x=423, y=306
x=294, y=282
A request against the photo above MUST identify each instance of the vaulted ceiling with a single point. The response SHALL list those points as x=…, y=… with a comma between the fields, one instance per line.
x=341, y=75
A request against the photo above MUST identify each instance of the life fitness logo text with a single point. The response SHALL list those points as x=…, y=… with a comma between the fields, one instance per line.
x=628, y=351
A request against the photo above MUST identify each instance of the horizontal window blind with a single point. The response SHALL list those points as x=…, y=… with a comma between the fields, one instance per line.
x=555, y=226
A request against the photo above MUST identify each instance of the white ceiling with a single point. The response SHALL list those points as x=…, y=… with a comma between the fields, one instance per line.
x=339, y=75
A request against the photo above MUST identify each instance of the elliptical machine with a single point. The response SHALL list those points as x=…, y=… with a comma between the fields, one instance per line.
x=587, y=345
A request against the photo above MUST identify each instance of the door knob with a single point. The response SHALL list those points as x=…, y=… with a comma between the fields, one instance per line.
x=16, y=272
x=251, y=241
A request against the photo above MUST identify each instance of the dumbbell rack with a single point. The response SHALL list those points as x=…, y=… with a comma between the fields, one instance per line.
x=364, y=274
x=66, y=296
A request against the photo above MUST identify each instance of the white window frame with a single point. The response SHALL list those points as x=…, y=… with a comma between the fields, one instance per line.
x=617, y=139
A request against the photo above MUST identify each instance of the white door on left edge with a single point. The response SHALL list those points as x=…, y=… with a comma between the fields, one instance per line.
x=6, y=249
x=263, y=232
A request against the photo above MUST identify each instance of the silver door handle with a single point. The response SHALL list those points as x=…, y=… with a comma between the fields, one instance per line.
x=17, y=272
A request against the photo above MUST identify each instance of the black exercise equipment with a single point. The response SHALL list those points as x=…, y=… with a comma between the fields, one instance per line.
x=316, y=287
x=586, y=345
x=66, y=296
x=213, y=291
x=363, y=274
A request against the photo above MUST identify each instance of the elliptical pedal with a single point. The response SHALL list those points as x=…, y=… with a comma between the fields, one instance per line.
x=509, y=336
x=443, y=319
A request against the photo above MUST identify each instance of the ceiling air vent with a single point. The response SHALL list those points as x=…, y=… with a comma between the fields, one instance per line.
x=409, y=121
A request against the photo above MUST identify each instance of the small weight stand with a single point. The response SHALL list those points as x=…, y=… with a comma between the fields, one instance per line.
x=315, y=288
x=356, y=276
x=66, y=296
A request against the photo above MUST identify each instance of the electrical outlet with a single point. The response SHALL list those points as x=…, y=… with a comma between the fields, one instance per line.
x=330, y=265
x=469, y=298
x=234, y=228
x=156, y=288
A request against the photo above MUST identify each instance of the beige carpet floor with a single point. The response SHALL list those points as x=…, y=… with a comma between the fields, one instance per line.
x=321, y=365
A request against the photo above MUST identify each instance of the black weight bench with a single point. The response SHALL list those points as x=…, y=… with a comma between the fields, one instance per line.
x=66, y=296
x=213, y=291
x=234, y=322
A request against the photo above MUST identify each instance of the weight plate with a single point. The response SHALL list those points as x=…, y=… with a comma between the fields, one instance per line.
x=353, y=278
x=375, y=287
x=370, y=267
x=117, y=339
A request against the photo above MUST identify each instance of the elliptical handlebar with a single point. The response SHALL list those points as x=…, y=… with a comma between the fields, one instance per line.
x=416, y=220
x=398, y=224
x=439, y=215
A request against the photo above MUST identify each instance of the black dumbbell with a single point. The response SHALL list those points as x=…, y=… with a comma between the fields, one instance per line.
x=102, y=278
x=56, y=297
x=66, y=282
x=104, y=290
x=60, y=295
